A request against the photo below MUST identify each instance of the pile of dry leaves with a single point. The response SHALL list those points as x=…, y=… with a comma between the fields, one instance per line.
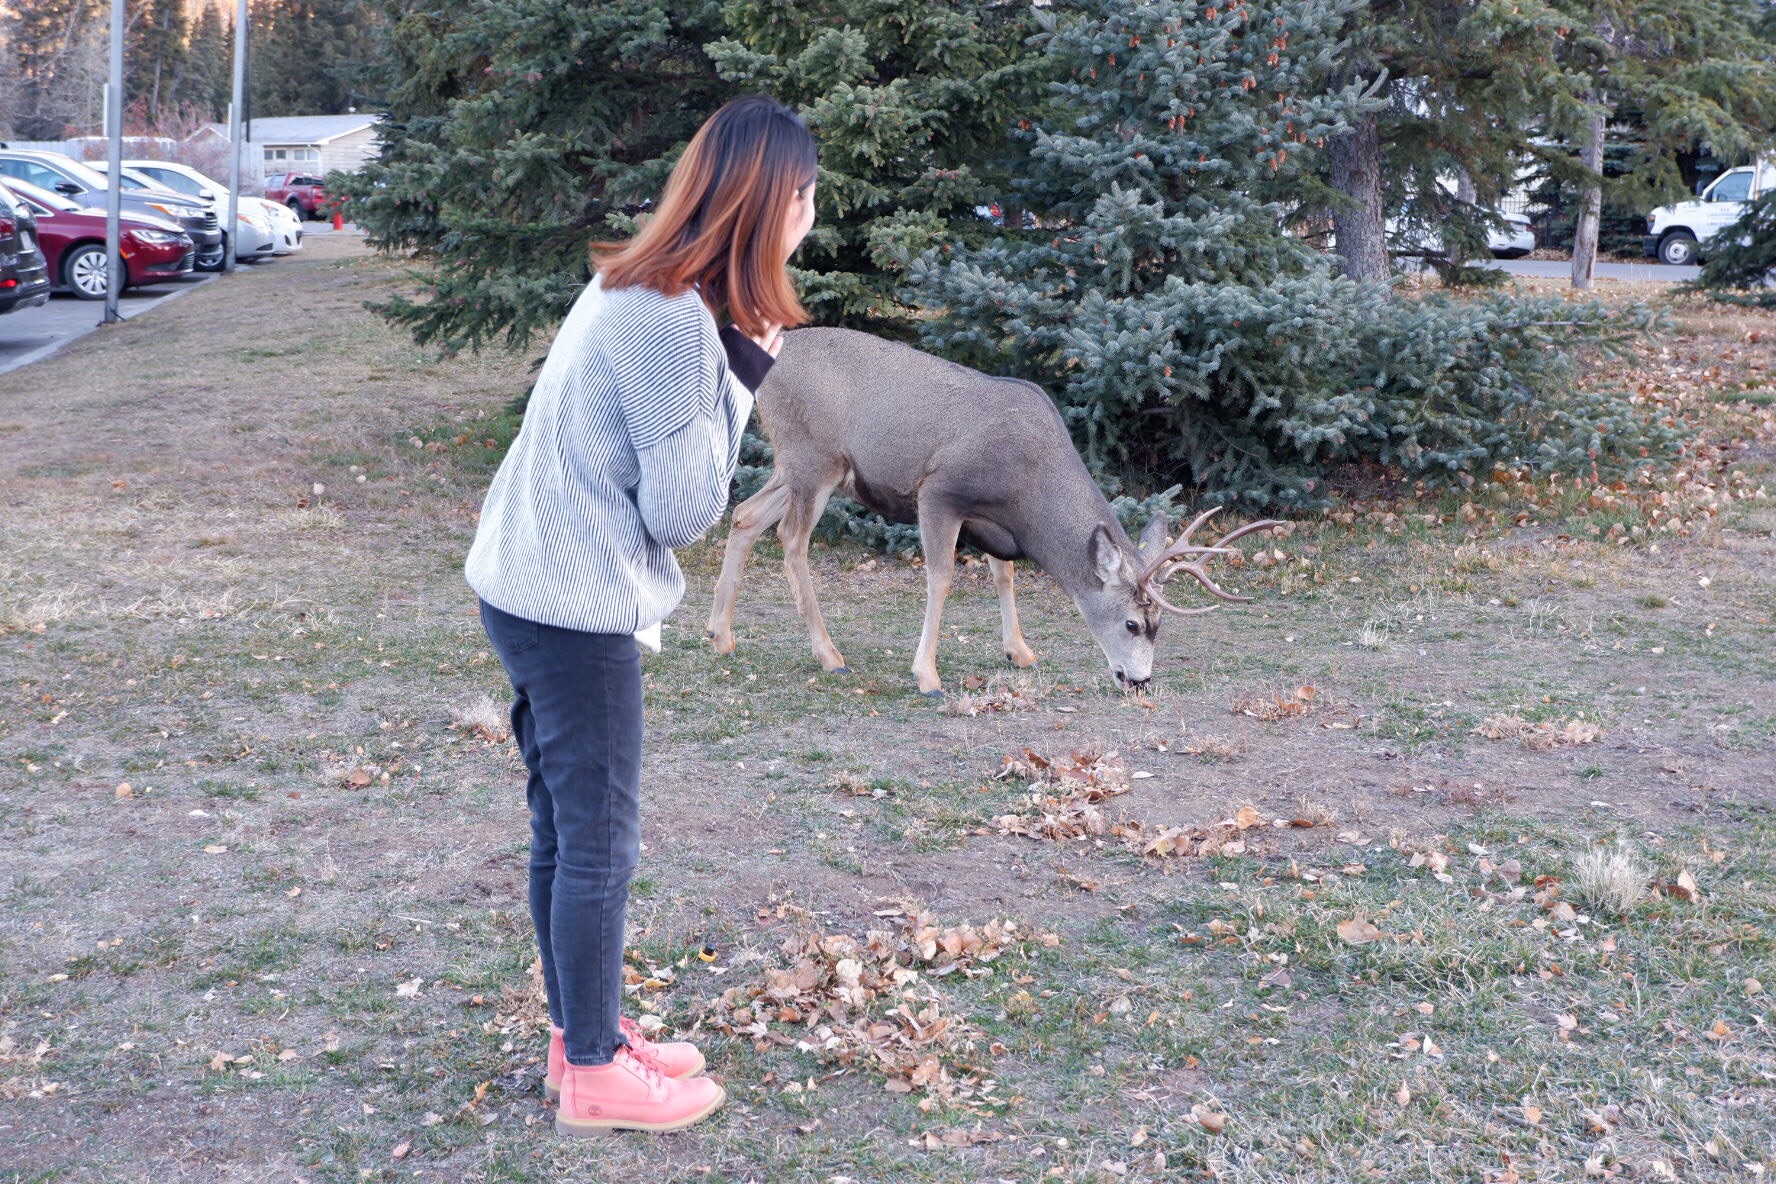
x=1081, y=779
x=997, y=695
x=1084, y=779
x=1540, y=737
x=870, y=1002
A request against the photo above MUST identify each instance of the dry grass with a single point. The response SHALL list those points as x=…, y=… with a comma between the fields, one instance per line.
x=1611, y=879
x=318, y=857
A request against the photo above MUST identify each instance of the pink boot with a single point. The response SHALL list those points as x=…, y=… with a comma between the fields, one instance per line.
x=632, y=1093
x=679, y=1057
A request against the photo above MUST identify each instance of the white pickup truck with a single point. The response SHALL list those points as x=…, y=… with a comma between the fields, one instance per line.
x=1675, y=234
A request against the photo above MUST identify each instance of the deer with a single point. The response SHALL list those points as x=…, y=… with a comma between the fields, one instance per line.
x=968, y=457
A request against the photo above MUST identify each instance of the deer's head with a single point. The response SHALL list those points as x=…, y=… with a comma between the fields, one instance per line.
x=1125, y=604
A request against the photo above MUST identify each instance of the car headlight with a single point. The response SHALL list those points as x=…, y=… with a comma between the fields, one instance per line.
x=157, y=238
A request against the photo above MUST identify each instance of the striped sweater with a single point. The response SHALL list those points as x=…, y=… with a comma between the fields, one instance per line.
x=627, y=451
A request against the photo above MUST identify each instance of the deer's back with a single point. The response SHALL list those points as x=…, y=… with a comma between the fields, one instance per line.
x=894, y=414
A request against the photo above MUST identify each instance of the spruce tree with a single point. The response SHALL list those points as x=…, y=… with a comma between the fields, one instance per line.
x=518, y=133
x=910, y=101
x=1475, y=90
x=1741, y=263
x=1186, y=336
x=209, y=66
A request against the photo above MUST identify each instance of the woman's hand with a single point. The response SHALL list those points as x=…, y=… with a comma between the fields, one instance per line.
x=771, y=340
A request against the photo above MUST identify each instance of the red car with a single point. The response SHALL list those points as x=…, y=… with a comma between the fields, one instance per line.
x=73, y=240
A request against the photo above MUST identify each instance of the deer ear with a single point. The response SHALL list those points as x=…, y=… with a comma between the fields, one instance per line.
x=1105, y=555
x=1153, y=538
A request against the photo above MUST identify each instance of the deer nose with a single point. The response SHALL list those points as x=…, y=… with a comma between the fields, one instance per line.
x=1132, y=684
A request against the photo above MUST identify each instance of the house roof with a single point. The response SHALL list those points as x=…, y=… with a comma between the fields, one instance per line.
x=301, y=129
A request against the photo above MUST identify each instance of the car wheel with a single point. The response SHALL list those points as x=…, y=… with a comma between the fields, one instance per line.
x=296, y=208
x=1678, y=248
x=86, y=271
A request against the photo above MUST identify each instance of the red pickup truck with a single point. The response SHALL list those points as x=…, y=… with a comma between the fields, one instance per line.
x=302, y=192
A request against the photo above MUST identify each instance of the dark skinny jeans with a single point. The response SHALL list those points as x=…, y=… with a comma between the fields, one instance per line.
x=576, y=717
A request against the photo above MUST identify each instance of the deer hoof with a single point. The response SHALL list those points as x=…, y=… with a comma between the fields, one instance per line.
x=840, y=670
x=933, y=695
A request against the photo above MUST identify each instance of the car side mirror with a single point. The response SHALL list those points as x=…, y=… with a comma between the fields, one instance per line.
x=69, y=188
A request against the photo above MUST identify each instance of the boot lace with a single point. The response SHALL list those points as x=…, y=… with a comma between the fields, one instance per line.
x=633, y=1033
x=644, y=1057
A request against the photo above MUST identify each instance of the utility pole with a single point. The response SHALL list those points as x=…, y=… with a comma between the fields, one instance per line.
x=114, y=155
x=234, y=128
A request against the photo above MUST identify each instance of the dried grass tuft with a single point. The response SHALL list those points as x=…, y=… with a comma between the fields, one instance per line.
x=1610, y=879
x=483, y=718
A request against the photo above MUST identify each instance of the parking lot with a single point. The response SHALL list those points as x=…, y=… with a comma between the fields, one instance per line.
x=31, y=334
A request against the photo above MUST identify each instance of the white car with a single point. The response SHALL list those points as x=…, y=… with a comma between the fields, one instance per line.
x=1675, y=234
x=285, y=234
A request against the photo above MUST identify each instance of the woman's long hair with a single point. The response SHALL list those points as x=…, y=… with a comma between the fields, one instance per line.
x=719, y=225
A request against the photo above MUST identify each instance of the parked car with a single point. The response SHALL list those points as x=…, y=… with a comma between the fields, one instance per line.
x=73, y=238
x=303, y=193
x=73, y=179
x=24, y=273
x=286, y=229
x=253, y=236
x=1677, y=234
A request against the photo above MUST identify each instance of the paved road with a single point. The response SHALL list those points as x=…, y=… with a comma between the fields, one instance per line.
x=34, y=333
x=1648, y=272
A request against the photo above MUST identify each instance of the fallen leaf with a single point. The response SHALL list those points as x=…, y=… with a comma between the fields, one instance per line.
x=1685, y=888
x=1358, y=931
x=1246, y=817
x=1213, y=1121
x=401, y=1149
x=1532, y=1115
x=126, y=790
x=214, y=849
x=1402, y=1095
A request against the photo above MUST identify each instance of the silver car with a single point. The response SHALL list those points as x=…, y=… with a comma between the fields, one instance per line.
x=286, y=228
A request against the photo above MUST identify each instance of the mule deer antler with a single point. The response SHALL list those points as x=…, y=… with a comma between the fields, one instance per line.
x=1172, y=560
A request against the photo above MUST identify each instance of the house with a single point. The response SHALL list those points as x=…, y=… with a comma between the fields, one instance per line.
x=304, y=143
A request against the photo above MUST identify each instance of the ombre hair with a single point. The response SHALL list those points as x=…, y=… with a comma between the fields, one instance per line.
x=719, y=225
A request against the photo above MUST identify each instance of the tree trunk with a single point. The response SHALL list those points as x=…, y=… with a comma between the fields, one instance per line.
x=1464, y=192
x=1590, y=203
x=1355, y=159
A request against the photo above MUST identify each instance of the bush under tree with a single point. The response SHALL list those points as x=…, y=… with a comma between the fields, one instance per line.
x=1188, y=338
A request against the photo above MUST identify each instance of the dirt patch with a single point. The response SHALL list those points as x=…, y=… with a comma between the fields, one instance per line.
x=230, y=579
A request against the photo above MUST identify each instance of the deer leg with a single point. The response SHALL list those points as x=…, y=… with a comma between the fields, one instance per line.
x=798, y=523
x=1011, y=634
x=752, y=518
x=938, y=532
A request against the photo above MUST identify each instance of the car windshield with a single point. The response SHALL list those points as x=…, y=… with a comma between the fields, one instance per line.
x=90, y=177
x=42, y=198
x=1733, y=187
x=169, y=179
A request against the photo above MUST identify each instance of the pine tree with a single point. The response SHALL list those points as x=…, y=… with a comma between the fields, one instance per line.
x=517, y=134
x=1741, y=263
x=315, y=57
x=911, y=101
x=155, y=57
x=1474, y=90
x=1186, y=336
x=209, y=64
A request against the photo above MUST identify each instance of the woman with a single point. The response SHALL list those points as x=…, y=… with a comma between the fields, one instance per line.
x=628, y=447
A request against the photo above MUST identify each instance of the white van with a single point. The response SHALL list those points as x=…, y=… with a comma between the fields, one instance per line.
x=1675, y=234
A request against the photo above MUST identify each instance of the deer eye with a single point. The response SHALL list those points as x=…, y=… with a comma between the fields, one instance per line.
x=1134, y=627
